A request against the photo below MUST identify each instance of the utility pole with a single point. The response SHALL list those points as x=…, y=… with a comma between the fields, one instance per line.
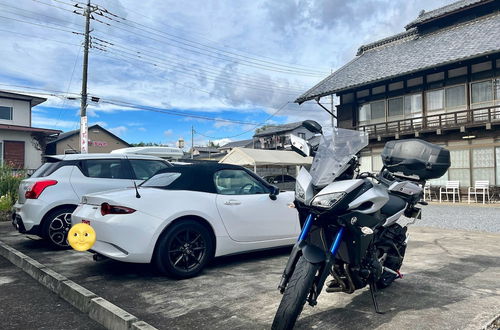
x=192, y=141
x=83, y=108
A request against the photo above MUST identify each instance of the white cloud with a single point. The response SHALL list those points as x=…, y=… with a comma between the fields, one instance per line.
x=168, y=132
x=317, y=34
x=142, y=129
x=45, y=122
x=120, y=130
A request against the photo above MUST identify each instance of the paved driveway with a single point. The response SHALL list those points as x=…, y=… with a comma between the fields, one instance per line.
x=451, y=282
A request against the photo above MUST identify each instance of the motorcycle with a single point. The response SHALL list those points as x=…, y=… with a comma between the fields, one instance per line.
x=349, y=219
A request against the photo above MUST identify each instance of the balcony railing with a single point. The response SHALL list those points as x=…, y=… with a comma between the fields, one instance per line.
x=469, y=118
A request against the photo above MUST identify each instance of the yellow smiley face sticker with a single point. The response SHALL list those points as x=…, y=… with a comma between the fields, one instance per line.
x=81, y=237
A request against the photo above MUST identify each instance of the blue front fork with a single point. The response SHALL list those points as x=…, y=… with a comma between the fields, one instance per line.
x=301, y=244
x=307, y=226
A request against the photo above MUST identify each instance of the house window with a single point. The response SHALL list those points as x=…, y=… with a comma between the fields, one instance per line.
x=455, y=96
x=395, y=107
x=460, y=166
x=377, y=110
x=497, y=150
x=435, y=100
x=413, y=105
x=372, y=112
x=408, y=106
x=483, y=93
x=483, y=164
x=449, y=98
x=5, y=113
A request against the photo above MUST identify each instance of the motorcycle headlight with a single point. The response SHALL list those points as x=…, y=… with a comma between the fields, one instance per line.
x=300, y=193
x=327, y=201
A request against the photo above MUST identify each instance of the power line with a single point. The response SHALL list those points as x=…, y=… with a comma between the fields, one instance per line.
x=161, y=65
x=172, y=112
x=141, y=54
x=257, y=57
x=204, y=52
x=42, y=25
x=251, y=129
x=198, y=45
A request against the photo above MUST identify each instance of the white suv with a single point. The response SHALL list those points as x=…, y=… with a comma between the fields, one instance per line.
x=47, y=199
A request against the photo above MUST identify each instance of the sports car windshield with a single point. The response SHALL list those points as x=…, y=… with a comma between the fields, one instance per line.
x=334, y=153
x=161, y=180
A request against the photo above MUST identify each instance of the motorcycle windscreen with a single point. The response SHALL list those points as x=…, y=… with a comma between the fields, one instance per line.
x=334, y=153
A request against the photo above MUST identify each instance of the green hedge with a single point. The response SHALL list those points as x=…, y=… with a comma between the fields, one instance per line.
x=9, y=184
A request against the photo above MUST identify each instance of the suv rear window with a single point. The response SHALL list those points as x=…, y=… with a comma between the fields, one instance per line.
x=144, y=169
x=47, y=168
x=105, y=169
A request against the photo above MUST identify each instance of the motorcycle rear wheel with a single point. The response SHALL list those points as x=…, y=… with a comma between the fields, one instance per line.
x=295, y=295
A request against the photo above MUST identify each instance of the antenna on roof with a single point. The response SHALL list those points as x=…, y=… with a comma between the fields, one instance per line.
x=137, y=195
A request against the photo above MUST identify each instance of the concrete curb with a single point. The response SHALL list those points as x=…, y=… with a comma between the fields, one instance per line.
x=97, y=308
x=491, y=324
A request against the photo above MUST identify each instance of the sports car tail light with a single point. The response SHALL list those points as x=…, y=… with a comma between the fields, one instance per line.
x=114, y=209
x=37, y=188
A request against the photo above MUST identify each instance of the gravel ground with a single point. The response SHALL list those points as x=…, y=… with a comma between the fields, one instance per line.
x=461, y=216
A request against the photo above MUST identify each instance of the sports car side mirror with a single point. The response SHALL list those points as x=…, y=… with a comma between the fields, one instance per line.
x=274, y=192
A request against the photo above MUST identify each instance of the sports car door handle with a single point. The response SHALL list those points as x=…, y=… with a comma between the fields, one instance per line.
x=232, y=202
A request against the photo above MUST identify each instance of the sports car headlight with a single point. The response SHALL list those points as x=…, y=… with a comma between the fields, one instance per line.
x=327, y=201
x=300, y=194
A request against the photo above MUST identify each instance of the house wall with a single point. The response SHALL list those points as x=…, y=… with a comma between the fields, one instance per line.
x=32, y=156
x=446, y=90
x=21, y=114
x=100, y=141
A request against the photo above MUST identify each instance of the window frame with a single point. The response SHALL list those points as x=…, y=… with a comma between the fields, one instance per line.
x=127, y=171
x=494, y=99
x=11, y=112
x=1, y=153
x=260, y=181
x=445, y=107
x=135, y=175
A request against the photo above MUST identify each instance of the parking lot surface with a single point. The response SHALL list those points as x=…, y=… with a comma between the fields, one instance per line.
x=28, y=305
x=451, y=282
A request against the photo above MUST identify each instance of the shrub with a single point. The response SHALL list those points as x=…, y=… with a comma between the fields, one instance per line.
x=9, y=184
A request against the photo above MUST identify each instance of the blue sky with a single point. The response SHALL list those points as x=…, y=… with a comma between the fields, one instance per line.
x=243, y=61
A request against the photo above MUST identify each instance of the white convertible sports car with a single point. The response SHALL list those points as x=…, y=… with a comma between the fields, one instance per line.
x=185, y=215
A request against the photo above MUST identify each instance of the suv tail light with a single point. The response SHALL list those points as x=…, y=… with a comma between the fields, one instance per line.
x=37, y=188
x=114, y=209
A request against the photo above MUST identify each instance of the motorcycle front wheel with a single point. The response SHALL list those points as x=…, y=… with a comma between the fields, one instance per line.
x=295, y=295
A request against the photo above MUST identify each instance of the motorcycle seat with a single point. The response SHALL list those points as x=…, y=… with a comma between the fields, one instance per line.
x=393, y=206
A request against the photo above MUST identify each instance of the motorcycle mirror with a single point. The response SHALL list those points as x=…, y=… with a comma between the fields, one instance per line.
x=313, y=126
x=274, y=192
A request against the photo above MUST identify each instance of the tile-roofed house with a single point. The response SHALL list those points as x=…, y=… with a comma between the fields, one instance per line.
x=439, y=81
x=278, y=136
x=236, y=144
x=452, y=8
x=410, y=52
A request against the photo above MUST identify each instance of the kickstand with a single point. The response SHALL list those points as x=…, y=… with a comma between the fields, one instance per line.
x=373, y=289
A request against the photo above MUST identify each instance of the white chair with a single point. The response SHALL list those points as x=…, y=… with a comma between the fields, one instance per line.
x=481, y=187
x=427, y=192
x=453, y=188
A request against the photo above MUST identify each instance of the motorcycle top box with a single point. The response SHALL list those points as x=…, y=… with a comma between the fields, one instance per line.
x=416, y=157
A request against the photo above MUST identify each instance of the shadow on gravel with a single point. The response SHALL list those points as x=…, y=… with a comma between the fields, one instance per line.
x=417, y=291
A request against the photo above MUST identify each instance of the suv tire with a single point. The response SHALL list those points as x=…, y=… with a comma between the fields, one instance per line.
x=56, y=225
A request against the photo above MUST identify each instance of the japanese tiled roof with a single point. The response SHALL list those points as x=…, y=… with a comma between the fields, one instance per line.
x=411, y=51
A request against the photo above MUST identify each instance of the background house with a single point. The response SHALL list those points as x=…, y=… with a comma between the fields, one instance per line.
x=438, y=81
x=236, y=144
x=21, y=145
x=100, y=141
x=278, y=136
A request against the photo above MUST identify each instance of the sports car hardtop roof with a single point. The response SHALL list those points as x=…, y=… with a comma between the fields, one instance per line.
x=199, y=177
